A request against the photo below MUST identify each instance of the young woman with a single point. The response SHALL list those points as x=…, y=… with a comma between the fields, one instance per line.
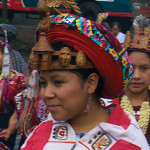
x=80, y=61
x=136, y=97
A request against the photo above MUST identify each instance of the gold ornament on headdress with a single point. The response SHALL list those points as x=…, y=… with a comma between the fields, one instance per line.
x=127, y=40
x=141, y=37
x=47, y=7
x=66, y=3
x=43, y=53
x=101, y=17
x=140, y=40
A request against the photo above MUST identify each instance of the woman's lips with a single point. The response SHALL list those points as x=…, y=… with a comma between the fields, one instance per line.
x=136, y=85
x=53, y=107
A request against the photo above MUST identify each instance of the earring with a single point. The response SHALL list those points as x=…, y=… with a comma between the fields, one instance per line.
x=88, y=104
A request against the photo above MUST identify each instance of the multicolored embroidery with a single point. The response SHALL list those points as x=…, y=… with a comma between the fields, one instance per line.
x=61, y=133
x=13, y=84
x=2, y=44
x=102, y=142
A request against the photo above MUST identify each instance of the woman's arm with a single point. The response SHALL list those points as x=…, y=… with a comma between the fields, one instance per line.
x=5, y=134
x=13, y=122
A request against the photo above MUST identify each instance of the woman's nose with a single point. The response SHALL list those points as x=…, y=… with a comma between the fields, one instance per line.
x=136, y=74
x=47, y=92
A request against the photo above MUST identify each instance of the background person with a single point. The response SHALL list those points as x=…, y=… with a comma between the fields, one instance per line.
x=136, y=98
x=16, y=60
x=116, y=30
x=11, y=82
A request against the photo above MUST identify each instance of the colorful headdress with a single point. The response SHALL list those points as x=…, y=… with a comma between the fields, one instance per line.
x=140, y=41
x=94, y=45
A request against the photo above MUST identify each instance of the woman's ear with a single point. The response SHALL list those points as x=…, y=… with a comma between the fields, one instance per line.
x=92, y=82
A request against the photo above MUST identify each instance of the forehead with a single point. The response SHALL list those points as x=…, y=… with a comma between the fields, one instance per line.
x=115, y=27
x=56, y=73
x=139, y=58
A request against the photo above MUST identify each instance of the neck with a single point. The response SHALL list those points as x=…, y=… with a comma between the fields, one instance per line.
x=137, y=99
x=88, y=121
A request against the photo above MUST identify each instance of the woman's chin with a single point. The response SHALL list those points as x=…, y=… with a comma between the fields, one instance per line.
x=58, y=117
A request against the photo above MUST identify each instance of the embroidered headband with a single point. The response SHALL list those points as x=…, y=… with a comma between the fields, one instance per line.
x=94, y=45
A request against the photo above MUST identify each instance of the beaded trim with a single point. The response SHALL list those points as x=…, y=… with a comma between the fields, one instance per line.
x=144, y=112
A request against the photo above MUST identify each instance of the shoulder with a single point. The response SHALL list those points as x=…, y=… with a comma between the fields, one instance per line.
x=119, y=117
x=121, y=37
x=124, y=126
x=121, y=34
x=43, y=130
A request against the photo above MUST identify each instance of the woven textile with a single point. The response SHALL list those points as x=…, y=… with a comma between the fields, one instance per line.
x=17, y=62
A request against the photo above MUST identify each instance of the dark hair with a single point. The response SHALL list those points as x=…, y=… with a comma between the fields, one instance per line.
x=11, y=31
x=2, y=34
x=130, y=51
x=29, y=69
x=106, y=24
x=116, y=23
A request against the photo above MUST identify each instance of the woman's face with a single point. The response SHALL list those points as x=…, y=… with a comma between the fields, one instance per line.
x=141, y=76
x=115, y=30
x=64, y=94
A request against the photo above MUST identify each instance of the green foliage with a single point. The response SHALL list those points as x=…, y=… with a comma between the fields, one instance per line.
x=3, y=20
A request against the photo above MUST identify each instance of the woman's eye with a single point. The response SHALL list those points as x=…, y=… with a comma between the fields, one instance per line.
x=144, y=68
x=42, y=84
x=58, y=82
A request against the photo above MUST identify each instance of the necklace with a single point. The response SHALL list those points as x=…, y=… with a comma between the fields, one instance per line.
x=144, y=112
